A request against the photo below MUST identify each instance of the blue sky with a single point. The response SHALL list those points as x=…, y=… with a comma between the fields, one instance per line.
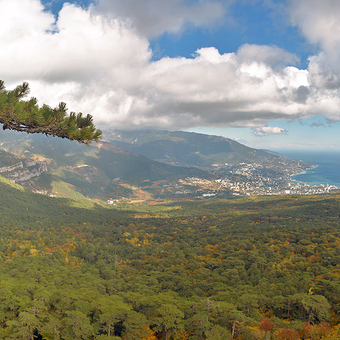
x=263, y=72
x=246, y=22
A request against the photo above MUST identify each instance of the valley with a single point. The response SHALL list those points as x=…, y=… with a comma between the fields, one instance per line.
x=214, y=167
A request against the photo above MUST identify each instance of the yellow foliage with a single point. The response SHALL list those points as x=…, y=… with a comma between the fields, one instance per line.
x=256, y=332
x=133, y=241
x=33, y=252
x=152, y=335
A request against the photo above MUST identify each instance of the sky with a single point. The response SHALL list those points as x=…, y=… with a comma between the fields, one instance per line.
x=262, y=72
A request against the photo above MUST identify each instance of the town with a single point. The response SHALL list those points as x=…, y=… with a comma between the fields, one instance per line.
x=248, y=179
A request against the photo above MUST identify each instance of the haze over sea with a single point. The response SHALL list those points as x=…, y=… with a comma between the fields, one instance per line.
x=327, y=171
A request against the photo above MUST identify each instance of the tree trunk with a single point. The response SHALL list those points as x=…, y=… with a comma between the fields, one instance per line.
x=233, y=331
x=209, y=304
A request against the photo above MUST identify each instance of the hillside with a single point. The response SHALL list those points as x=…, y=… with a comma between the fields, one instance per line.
x=194, y=149
x=221, y=269
x=64, y=168
x=238, y=169
x=183, y=165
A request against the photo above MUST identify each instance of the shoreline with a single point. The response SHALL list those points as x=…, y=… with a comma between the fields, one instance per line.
x=302, y=173
x=312, y=183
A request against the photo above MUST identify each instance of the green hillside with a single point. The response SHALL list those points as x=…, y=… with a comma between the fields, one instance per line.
x=192, y=149
x=217, y=269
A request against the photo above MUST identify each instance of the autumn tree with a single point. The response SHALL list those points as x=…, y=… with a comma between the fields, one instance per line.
x=288, y=334
x=308, y=331
x=266, y=327
x=26, y=116
x=324, y=330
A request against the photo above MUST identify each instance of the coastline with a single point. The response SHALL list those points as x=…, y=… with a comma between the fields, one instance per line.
x=302, y=173
x=327, y=170
x=314, y=183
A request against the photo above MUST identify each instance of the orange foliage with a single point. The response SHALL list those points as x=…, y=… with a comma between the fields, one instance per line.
x=266, y=325
x=308, y=331
x=288, y=334
x=324, y=330
x=314, y=258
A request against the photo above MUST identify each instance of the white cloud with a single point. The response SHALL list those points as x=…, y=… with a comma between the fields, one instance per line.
x=319, y=22
x=102, y=66
x=270, y=55
x=269, y=130
x=153, y=17
x=85, y=47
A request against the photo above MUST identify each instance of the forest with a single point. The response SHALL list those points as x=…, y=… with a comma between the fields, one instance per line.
x=249, y=268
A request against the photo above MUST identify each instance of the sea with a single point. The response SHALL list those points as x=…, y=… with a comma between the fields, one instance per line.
x=327, y=170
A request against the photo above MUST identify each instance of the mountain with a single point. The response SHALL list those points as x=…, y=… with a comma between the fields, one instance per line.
x=194, y=149
x=146, y=165
x=242, y=170
x=60, y=167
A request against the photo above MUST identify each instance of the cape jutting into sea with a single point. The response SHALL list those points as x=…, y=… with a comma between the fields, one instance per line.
x=327, y=171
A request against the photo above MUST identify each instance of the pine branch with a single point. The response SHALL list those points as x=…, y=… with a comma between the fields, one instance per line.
x=26, y=116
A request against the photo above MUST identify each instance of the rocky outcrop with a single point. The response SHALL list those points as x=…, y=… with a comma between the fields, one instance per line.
x=11, y=167
x=23, y=170
x=92, y=174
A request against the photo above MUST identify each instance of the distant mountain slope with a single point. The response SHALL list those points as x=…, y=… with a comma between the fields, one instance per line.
x=191, y=149
x=8, y=159
x=182, y=164
x=101, y=170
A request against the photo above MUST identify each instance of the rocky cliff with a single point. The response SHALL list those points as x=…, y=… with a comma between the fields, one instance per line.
x=24, y=170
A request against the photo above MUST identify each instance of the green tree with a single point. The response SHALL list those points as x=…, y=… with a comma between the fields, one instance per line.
x=113, y=311
x=218, y=333
x=77, y=326
x=24, y=326
x=135, y=325
x=26, y=116
x=169, y=319
x=50, y=329
x=316, y=306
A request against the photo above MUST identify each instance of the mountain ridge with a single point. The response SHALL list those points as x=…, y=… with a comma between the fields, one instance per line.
x=171, y=165
x=100, y=171
x=190, y=148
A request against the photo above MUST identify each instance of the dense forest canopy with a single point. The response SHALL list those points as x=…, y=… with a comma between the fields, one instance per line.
x=26, y=116
x=259, y=268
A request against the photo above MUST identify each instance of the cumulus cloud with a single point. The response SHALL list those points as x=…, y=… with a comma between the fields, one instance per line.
x=318, y=22
x=270, y=55
x=84, y=47
x=153, y=17
x=101, y=64
x=269, y=130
